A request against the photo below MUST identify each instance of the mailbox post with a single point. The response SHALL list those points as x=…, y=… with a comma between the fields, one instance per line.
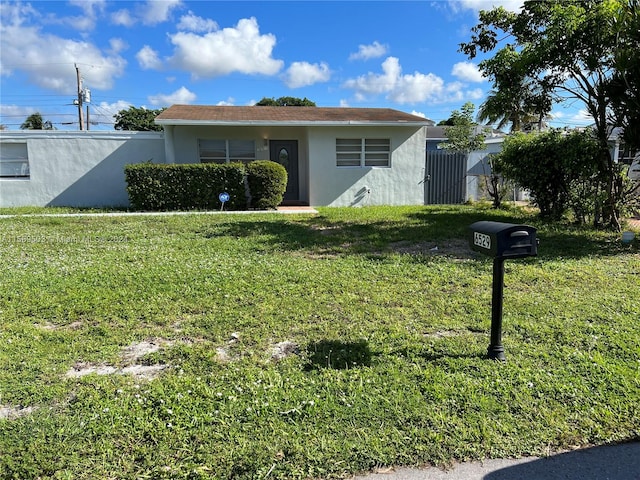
x=501, y=241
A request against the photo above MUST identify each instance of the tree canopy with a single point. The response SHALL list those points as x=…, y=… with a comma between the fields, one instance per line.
x=36, y=122
x=285, y=102
x=462, y=134
x=568, y=51
x=137, y=119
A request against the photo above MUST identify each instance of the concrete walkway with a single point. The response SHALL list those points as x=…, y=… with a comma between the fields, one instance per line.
x=613, y=462
x=284, y=210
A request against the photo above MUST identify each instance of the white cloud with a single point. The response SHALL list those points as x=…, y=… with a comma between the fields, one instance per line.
x=117, y=45
x=302, y=74
x=239, y=49
x=181, y=96
x=408, y=88
x=152, y=12
x=418, y=114
x=148, y=58
x=91, y=11
x=193, y=23
x=12, y=116
x=104, y=112
x=417, y=88
x=475, y=94
x=48, y=60
x=229, y=102
x=158, y=11
x=467, y=72
x=375, y=83
x=477, y=5
x=123, y=17
x=397, y=87
x=365, y=52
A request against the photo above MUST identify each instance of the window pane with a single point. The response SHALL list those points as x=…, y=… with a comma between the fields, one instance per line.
x=242, y=151
x=348, y=152
x=377, y=152
x=348, y=145
x=376, y=163
x=14, y=161
x=213, y=151
x=348, y=163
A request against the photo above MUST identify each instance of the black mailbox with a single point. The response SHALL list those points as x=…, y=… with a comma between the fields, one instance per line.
x=503, y=240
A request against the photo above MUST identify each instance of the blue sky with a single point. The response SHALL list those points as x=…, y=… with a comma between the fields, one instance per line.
x=392, y=54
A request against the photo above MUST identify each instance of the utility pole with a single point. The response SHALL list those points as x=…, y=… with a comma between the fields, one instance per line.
x=79, y=83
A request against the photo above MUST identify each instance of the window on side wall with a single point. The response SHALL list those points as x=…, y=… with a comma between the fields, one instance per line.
x=226, y=151
x=14, y=160
x=363, y=152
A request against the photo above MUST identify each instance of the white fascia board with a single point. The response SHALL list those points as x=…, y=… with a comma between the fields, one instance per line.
x=267, y=123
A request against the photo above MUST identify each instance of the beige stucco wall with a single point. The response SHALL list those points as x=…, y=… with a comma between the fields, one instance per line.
x=81, y=169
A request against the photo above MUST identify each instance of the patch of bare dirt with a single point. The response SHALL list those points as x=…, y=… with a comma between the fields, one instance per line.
x=440, y=334
x=8, y=412
x=130, y=356
x=285, y=349
x=70, y=326
x=455, y=248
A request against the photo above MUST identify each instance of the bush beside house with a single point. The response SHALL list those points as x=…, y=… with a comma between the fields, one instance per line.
x=198, y=186
x=267, y=183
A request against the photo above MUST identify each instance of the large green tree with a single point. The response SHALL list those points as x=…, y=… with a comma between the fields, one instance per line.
x=36, y=122
x=285, y=102
x=567, y=50
x=513, y=105
x=624, y=89
x=137, y=119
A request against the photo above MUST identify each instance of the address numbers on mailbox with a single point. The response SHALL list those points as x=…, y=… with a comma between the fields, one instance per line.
x=482, y=240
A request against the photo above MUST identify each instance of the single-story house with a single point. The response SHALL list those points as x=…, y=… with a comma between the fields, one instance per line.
x=333, y=156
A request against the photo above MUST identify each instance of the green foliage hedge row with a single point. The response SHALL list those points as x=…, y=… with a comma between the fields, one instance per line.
x=198, y=186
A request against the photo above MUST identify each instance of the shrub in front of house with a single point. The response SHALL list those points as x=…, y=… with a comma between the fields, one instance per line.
x=267, y=182
x=185, y=186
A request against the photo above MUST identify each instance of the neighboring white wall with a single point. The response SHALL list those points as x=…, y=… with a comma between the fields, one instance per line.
x=80, y=169
x=476, y=164
x=350, y=186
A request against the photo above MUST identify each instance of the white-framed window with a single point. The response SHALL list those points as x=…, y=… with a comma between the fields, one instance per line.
x=226, y=151
x=363, y=152
x=14, y=160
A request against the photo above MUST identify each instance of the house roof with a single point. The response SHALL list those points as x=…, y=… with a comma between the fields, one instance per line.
x=286, y=116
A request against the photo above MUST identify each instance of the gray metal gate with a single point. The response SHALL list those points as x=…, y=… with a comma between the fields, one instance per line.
x=445, y=177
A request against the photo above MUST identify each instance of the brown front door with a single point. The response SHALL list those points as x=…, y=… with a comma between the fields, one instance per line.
x=285, y=152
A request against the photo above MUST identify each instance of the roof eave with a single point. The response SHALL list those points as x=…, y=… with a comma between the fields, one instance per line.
x=271, y=123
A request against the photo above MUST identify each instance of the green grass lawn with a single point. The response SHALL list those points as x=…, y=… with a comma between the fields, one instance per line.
x=307, y=346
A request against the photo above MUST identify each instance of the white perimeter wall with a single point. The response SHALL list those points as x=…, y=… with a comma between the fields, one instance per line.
x=80, y=169
x=348, y=186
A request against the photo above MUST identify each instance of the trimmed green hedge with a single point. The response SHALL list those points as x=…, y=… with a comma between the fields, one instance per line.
x=267, y=183
x=154, y=186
